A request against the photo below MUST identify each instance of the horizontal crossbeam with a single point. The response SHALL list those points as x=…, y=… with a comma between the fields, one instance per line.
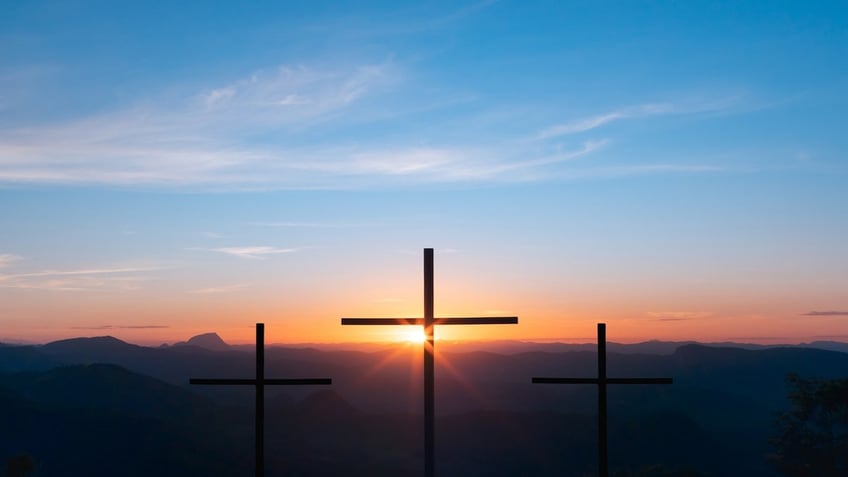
x=253, y=382
x=596, y=380
x=488, y=320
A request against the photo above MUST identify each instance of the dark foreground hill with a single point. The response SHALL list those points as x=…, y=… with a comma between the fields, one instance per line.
x=319, y=436
x=138, y=415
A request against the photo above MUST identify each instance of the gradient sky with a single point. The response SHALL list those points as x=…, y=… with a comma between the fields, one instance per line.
x=676, y=169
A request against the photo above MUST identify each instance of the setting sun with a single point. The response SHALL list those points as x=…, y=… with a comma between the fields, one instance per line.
x=412, y=334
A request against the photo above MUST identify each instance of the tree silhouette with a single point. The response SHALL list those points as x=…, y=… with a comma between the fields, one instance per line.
x=20, y=466
x=657, y=471
x=813, y=436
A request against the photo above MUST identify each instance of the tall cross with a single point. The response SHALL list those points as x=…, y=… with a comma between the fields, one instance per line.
x=602, y=381
x=260, y=381
x=429, y=322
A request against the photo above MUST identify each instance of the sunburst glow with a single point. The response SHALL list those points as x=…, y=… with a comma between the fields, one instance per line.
x=412, y=334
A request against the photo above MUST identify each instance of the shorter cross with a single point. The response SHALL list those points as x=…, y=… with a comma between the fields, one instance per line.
x=602, y=380
x=260, y=381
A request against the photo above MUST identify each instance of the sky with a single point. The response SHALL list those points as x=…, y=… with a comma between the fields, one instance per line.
x=674, y=169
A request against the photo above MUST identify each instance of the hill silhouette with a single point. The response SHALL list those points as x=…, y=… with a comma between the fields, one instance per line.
x=716, y=418
x=210, y=341
x=104, y=387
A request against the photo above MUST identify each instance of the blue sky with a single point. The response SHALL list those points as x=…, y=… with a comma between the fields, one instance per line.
x=677, y=167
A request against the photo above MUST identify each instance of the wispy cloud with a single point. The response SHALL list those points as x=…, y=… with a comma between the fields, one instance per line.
x=106, y=279
x=221, y=289
x=432, y=164
x=589, y=123
x=296, y=93
x=293, y=224
x=206, y=138
x=302, y=127
x=580, y=125
x=6, y=259
x=252, y=252
x=88, y=271
x=825, y=313
x=120, y=327
x=679, y=315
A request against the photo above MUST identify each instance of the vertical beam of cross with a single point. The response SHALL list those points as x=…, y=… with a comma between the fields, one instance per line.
x=602, y=381
x=603, y=460
x=429, y=322
x=260, y=382
x=429, y=367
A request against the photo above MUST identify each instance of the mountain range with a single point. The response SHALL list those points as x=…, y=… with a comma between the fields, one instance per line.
x=98, y=406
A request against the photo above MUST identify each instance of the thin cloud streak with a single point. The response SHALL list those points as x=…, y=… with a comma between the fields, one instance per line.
x=581, y=125
x=217, y=290
x=105, y=279
x=430, y=164
x=249, y=252
x=825, y=313
x=120, y=327
x=208, y=139
x=310, y=224
x=202, y=140
x=92, y=271
x=679, y=315
x=6, y=259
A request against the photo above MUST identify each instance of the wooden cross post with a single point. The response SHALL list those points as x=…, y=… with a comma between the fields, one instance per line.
x=429, y=322
x=602, y=381
x=260, y=381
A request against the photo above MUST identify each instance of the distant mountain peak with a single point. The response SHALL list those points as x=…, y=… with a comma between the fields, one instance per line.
x=103, y=341
x=210, y=341
x=100, y=339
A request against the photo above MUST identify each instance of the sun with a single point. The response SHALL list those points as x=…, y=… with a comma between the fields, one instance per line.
x=413, y=334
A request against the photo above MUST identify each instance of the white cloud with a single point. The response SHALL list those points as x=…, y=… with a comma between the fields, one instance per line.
x=206, y=139
x=580, y=125
x=120, y=327
x=6, y=259
x=217, y=96
x=217, y=290
x=634, y=112
x=107, y=279
x=430, y=164
x=293, y=100
x=290, y=224
x=294, y=127
x=320, y=225
x=88, y=271
x=250, y=252
x=679, y=315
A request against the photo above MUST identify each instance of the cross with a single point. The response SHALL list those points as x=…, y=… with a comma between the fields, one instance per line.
x=260, y=381
x=602, y=380
x=429, y=322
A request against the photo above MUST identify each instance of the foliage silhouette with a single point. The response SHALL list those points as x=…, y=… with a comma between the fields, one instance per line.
x=658, y=471
x=20, y=466
x=813, y=436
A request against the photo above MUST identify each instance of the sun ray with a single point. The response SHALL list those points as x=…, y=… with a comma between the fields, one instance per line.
x=445, y=364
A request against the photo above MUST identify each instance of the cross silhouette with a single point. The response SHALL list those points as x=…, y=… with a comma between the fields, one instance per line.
x=602, y=381
x=260, y=381
x=429, y=322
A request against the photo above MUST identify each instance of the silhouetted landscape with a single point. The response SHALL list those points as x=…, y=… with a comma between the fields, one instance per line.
x=175, y=172
x=100, y=406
